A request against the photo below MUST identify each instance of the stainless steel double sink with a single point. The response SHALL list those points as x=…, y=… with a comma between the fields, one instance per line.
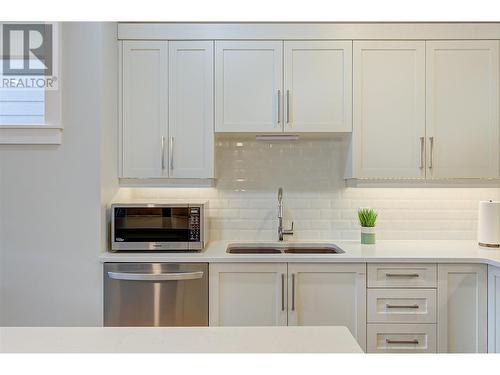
x=283, y=248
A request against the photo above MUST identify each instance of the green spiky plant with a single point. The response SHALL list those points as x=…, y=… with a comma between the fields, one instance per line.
x=367, y=217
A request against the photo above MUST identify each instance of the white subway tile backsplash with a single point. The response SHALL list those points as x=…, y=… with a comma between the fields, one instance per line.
x=243, y=203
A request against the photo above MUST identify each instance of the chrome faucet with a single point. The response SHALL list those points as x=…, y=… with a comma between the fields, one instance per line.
x=282, y=232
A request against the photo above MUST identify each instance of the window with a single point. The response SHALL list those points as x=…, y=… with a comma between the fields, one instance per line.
x=29, y=107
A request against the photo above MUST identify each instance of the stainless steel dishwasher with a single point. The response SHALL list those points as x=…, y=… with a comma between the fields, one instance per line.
x=155, y=294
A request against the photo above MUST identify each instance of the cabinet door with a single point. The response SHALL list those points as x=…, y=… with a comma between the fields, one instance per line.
x=493, y=309
x=191, y=128
x=248, y=86
x=144, y=109
x=248, y=294
x=318, y=85
x=462, y=109
x=462, y=308
x=389, y=109
x=328, y=294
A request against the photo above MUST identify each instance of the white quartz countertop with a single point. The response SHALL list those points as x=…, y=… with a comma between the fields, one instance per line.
x=178, y=340
x=438, y=251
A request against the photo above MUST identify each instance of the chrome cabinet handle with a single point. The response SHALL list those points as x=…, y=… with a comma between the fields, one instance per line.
x=278, y=106
x=282, y=292
x=431, y=152
x=401, y=306
x=402, y=275
x=422, y=152
x=162, y=152
x=293, y=291
x=287, y=106
x=389, y=341
x=171, y=153
x=173, y=276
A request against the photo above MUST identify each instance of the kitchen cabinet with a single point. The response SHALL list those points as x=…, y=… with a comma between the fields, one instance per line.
x=328, y=294
x=191, y=109
x=318, y=86
x=248, y=294
x=401, y=308
x=248, y=86
x=314, y=96
x=425, y=109
x=167, y=109
x=493, y=309
x=262, y=294
x=389, y=109
x=462, y=308
x=144, y=108
x=462, y=108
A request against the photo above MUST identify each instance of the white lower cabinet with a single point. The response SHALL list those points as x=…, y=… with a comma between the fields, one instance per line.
x=462, y=308
x=264, y=294
x=401, y=338
x=247, y=294
x=401, y=305
x=493, y=309
x=328, y=294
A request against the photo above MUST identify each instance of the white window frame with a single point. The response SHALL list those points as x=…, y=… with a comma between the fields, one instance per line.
x=48, y=133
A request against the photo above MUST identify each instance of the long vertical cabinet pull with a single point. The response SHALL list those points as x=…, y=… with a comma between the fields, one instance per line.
x=162, y=152
x=431, y=151
x=278, y=107
x=293, y=292
x=282, y=292
x=287, y=106
x=422, y=152
x=171, y=148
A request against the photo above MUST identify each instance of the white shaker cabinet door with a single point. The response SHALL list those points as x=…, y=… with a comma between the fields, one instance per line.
x=389, y=109
x=462, y=308
x=191, y=127
x=248, y=86
x=328, y=294
x=462, y=109
x=493, y=309
x=144, y=109
x=318, y=86
x=248, y=294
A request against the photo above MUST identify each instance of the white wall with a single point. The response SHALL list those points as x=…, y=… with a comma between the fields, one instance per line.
x=243, y=202
x=50, y=199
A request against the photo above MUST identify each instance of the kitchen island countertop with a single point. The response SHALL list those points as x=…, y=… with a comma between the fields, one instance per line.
x=328, y=339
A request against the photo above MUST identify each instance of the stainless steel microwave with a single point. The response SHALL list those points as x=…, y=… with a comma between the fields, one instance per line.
x=158, y=227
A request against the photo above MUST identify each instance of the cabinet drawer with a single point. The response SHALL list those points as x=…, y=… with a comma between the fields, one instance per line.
x=401, y=338
x=401, y=305
x=402, y=275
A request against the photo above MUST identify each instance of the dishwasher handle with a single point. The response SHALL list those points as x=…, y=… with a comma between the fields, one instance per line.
x=170, y=276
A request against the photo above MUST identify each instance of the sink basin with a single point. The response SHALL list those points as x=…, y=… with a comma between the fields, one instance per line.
x=283, y=248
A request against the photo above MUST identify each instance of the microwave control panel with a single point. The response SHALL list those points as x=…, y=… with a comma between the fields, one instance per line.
x=194, y=224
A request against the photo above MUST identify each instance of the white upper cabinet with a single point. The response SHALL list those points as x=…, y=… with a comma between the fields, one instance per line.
x=462, y=109
x=144, y=108
x=167, y=128
x=191, y=128
x=318, y=86
x=389, y=109
x=328, y=294
x=248, y=89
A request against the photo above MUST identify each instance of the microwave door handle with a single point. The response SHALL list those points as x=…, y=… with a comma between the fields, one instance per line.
x=174, y=276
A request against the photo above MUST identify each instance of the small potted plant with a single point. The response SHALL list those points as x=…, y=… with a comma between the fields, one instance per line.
x=367, y=219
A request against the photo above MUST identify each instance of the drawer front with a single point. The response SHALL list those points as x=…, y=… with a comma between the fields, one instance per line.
x=402, y=275
x=401, y=305
x=401, y=338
